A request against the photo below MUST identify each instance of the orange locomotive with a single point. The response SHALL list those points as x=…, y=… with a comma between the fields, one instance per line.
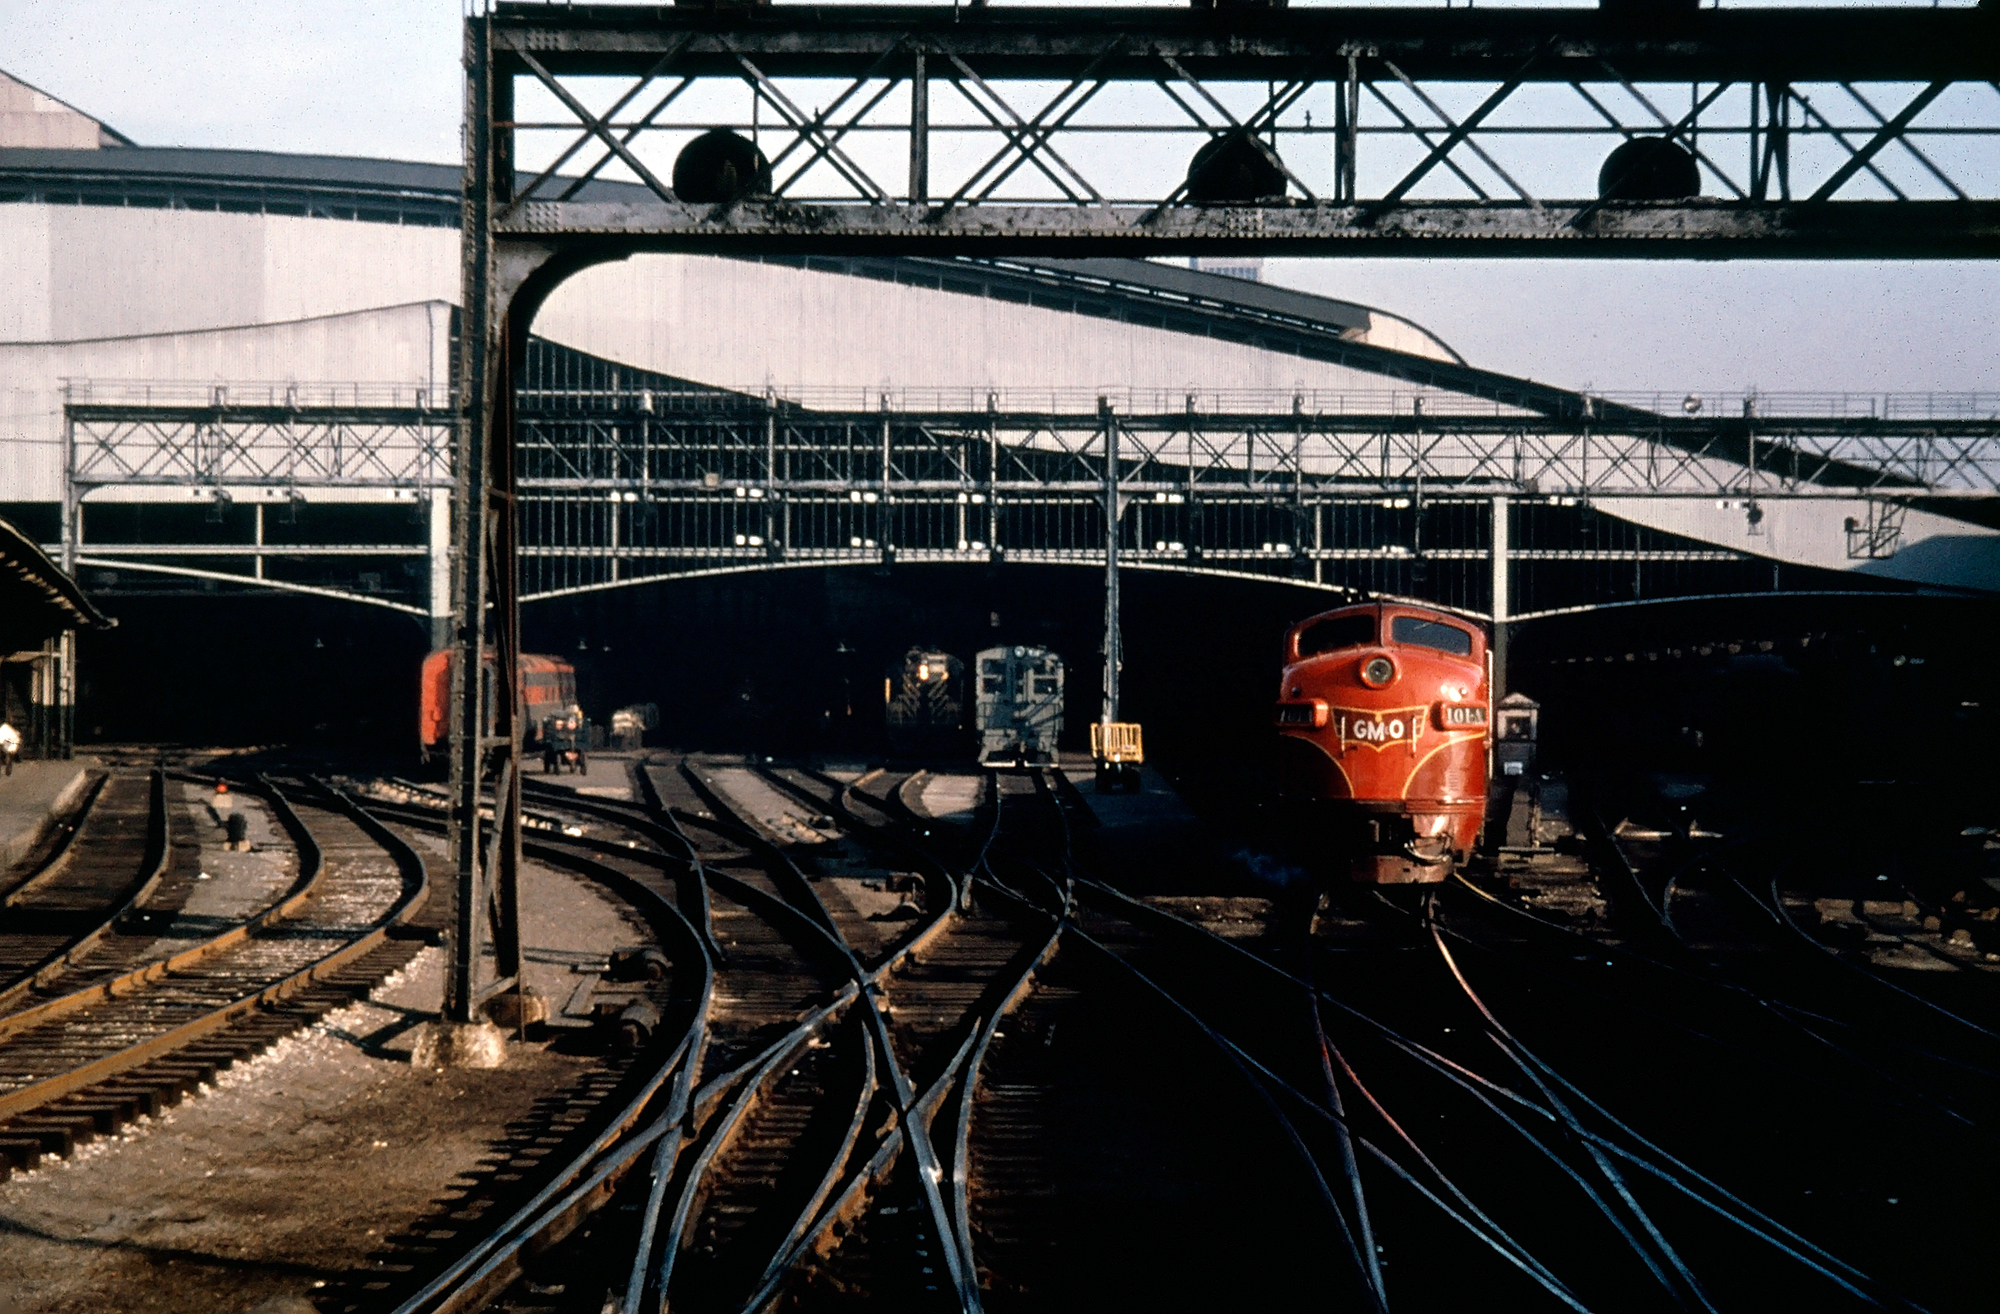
x=1382, y=718
x=548, y=690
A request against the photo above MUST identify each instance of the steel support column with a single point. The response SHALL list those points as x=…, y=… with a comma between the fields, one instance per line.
x=438, y=556
x=1502, y=554
x=1114, y=655
x=486, y=874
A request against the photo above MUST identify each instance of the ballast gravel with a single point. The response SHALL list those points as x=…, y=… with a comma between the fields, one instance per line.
x=293, y=1169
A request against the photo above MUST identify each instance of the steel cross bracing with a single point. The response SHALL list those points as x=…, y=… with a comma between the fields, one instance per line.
x=358, y=476
x=378, y=447
x=1002, y=129
x=617, y=488
x=644, y=442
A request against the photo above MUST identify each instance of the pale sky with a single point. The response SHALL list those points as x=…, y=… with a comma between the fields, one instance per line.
x=381, y=78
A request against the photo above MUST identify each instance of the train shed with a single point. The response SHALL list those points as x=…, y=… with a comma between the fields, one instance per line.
x=41, y=610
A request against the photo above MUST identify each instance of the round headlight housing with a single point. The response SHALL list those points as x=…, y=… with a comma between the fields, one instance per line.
x=1377, y=671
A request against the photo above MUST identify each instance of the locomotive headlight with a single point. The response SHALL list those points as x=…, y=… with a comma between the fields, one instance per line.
x=923, y=672
x=1378, y=671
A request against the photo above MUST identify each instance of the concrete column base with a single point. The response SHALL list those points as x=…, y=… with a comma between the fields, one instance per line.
x=459, y=1045
x=516, y=1010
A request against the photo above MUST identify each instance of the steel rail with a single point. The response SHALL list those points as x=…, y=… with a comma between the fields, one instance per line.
x=961, y=1187
x=721, y=1133
x=1796, y=938
x=1660, y=1256
x=1803, y=1020
x=288, y=902
x=1613, y=952
x=1062, y=918
x=1677, y=1173
x=477, y=1273
x=1872, y=921
x=1668, y=1170
x=972, y=1052
x=1344, y=1140
x=930, y=1172
x=1235, y=1057
x=1774, y=909
x=879, y=1163
x=153, y=868
x=1473, y=1219
x=58, y=858
x=863, y=984
x=776, y=1269
x=874, y=1169
x=416, y=889
x=881, y=835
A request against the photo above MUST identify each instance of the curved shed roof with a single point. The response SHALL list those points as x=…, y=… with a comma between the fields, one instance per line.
x=395, y=191
x=35, y=595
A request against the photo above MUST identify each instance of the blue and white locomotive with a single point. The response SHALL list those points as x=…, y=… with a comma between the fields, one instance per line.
x=1018, y=706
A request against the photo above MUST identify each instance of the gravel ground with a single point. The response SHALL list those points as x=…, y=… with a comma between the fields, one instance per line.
x=292, y=1169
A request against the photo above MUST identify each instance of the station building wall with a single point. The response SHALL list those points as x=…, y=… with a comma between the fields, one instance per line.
x=405, y=347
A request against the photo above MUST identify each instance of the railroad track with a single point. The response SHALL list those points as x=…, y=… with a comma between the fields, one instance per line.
x=974, y=1102
x=1084, y=1136
x=1628, y=1209
x=1720, y=1103
x=1720, y=911
x=90, y=886
x=793, y=1147
x=98, y=1049
x=543, y=1185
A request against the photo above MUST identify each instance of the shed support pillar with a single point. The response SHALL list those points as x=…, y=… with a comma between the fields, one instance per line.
x=1502, y=602
x=485, y=864
x=439, y=556
x=1113, y=644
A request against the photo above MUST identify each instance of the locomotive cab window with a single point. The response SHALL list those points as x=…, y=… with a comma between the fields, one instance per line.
x=1337, y=632
x=1421, y=633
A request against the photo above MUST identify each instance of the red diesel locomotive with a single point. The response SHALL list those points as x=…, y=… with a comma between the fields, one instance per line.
x=1382, y=719
x=548, y=692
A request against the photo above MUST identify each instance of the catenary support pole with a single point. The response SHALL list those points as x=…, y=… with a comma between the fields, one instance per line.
x=1113, y=643
x=1502, y=603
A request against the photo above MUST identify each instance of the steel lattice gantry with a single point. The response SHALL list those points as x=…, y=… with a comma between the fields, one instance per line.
x=383, y=454
x=625, y=477
x=618, y=487
x=1845, y=132
x=1004, y=131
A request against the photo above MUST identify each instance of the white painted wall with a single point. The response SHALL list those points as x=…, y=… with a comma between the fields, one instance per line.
x=746, y=325
x=31, y=118
x=406, y=347
x=101, y=293
x=1931, y=549
x=70, y=272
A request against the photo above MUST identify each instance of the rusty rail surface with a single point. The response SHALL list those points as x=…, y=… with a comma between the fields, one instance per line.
x=153, y=863
x=416, y=891
x=70, y=809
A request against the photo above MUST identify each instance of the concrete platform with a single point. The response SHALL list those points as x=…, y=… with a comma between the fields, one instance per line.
x=32, y=801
